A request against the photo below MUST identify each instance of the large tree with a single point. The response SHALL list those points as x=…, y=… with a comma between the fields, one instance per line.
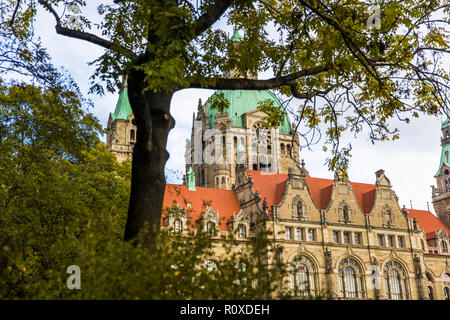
x=366, y=61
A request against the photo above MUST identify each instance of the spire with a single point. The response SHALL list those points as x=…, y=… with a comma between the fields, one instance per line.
x=236, y=35
x=123, y=106
x=191, y=180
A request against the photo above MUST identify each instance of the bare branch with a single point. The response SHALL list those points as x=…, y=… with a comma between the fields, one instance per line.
x=78, y=34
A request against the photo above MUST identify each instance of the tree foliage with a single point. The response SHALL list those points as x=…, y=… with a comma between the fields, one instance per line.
x=354, y=65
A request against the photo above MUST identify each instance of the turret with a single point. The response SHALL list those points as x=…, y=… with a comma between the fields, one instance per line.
x=441, y=193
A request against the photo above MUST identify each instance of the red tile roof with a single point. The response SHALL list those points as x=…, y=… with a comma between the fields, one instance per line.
x=428, y=222
x=270, y=185
x=320, y=190
x=365, y=195
x=222, y=201
x=273, y=185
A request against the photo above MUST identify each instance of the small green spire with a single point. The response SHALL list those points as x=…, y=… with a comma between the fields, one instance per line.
x=236, y=35
x=191, y=180
x=123, y=106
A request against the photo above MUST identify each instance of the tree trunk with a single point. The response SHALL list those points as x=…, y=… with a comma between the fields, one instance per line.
x=153, y=121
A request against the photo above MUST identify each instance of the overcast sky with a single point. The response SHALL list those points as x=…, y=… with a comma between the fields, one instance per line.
x=410, y=163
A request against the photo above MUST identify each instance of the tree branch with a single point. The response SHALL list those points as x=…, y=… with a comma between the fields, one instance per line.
x=78, y=34
x=251, y=84
x=211, y=15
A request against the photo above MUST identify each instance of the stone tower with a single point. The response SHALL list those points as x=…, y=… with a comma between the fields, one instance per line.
x=217, y=136
x=121, y=128
x=441, y=193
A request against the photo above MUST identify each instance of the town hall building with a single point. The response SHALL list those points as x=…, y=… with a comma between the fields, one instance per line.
x=334, y=232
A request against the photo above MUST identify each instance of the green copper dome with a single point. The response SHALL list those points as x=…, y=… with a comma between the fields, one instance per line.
x=123, y=107
x=243, y=101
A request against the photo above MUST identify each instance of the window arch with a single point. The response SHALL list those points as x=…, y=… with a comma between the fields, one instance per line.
x=350, y=279
x=132, y=135
x=444, y=246
x=303, y=277
x=395, y=281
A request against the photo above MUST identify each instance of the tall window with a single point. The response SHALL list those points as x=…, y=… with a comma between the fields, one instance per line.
x=430, y=286
x=303, y=280
x=132, y=135
x=380, y=238
x=346, y=237
x=299, y=234
x=242, y=231
x=357, y=238
x=395, y=281
x=178, y=225
x=401, y=242
x=345, y=213
x=211, y=227
x=444, y=246
x=288, y=232
x=336, y=236
x=311, y=235
x=446, y=293
x=350, y=279
x=390, y=241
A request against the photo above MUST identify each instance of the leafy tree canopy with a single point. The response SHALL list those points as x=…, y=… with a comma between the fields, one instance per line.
x=353, y=64
x=366, y=61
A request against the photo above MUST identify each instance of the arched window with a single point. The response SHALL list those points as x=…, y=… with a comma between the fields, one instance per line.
x=178, y=225
x=283, y=151
x=395, y=281
x=242, y=231
x=303, y=277
x=446, y=293
x=132, y=135
x=224, y=148
x=444, y=246
x=344, y=212
x=350, y=279
x=223, y=179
